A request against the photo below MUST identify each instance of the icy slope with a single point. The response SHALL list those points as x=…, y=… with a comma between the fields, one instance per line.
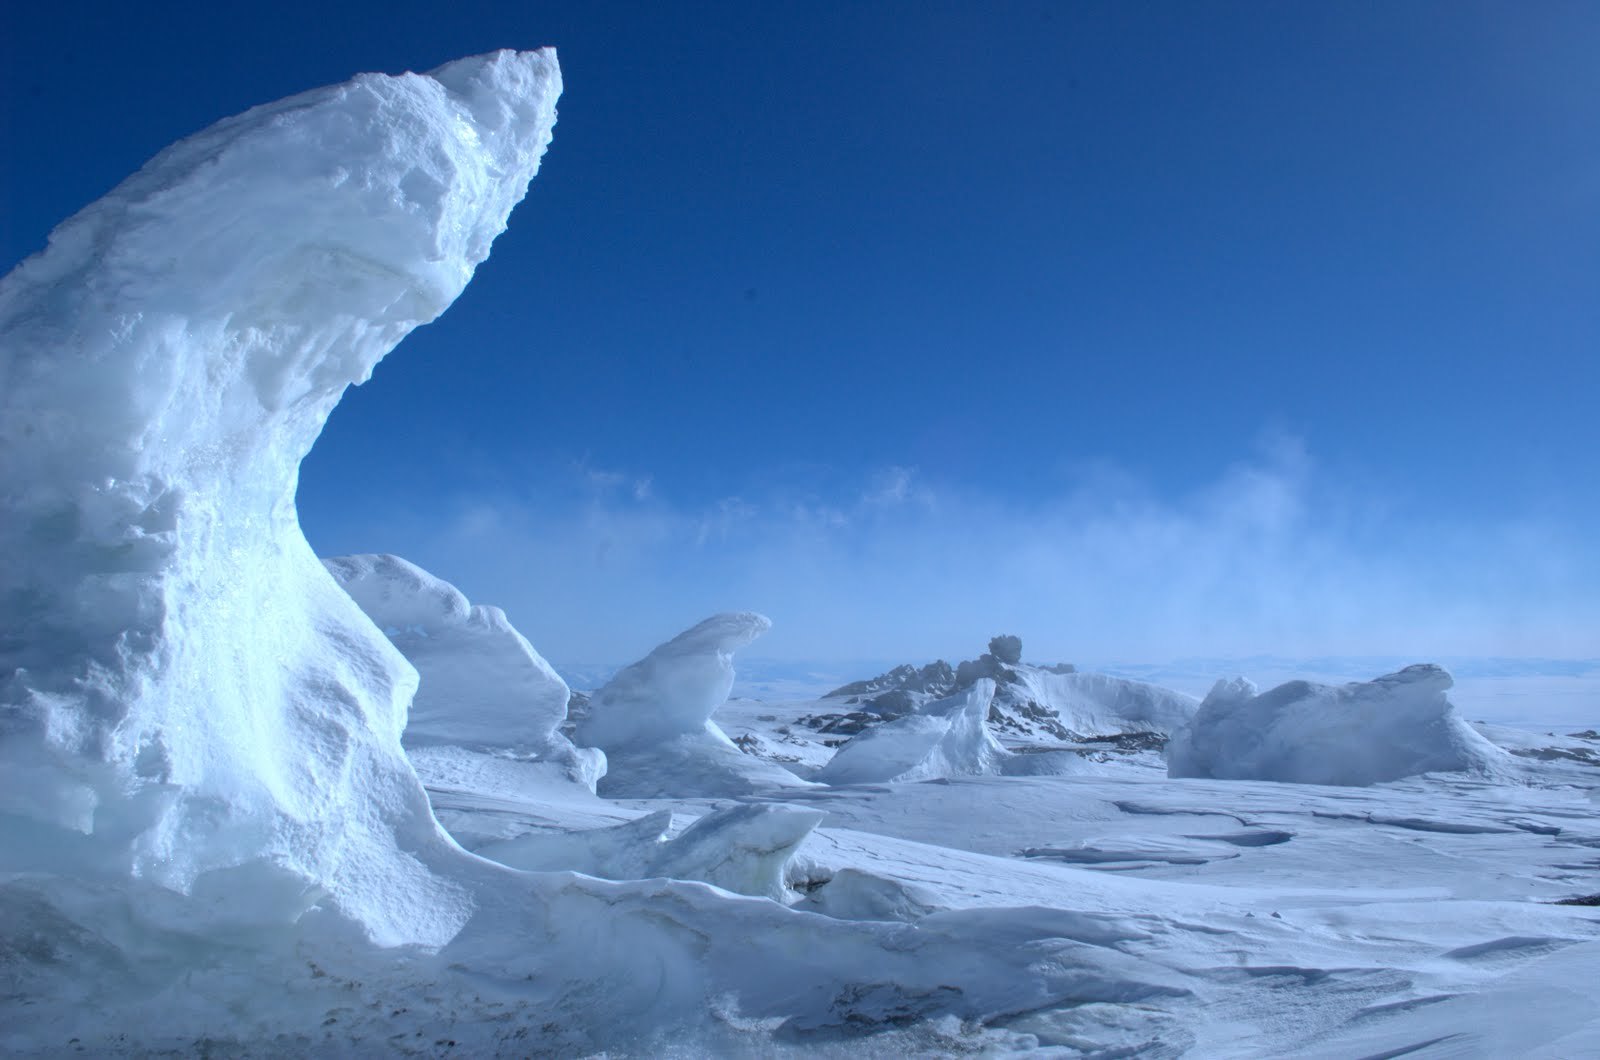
x=186, y=696
x=653, y=719
x=483, y=686
x=944, y=739
x=1396, y=726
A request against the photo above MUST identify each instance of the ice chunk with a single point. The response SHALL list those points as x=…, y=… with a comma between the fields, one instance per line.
x=186, y=696
x=675, y=689
x=653, y=719
x=948, y=738
x=483, y=686
x=1361, y=733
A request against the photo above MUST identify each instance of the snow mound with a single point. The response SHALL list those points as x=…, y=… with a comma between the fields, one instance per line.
x=675, y=689
x=745, y=849
x=187, y=699
x=653, y=719
x=1362, y=733
x=483, y=686
x=1040, y=703
x=949, y=738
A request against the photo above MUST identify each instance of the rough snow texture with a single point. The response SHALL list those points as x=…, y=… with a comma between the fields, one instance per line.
x=1042, y=704
x=483, y=686
x=653, y=719
x=949, y=738
x=675, y=689
x=186, y=696
x=1361, y=733
x=744, y=848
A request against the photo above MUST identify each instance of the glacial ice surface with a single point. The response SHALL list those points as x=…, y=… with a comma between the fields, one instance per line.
x=947, y=738
x=653, y=719
x=187, y=699
x=482, y=685
x=1365, y=732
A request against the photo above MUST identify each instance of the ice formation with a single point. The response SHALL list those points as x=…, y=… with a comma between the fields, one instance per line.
x=1396, y=726
x=675, y=689
x=653, y=719
x=186, y=696
x=207, y=820
x=949, y=738
x=483, y=686
x=744, y=848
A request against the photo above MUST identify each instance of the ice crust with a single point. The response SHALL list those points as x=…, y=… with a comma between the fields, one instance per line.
x=948, y=738
x=744, y=848
x=675, y=689
x=653, y=719
x=186, y=696
x=1362, y=733
x=482, y=685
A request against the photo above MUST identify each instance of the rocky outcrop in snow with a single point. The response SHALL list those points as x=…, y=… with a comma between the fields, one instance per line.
x=1039, y=705
x=653, y=719
x=1396, y=726
x=483, y=686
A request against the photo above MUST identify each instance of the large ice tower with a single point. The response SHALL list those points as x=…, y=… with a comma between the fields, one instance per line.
x=186, y=696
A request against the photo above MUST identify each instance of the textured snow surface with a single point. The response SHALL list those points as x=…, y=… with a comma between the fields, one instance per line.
x=653, y=719
x=948, y=738
x=213, y=843
x=675, y=689
x=187, y=697
x=744, y=848
x=483, y=686
x=1396, y=726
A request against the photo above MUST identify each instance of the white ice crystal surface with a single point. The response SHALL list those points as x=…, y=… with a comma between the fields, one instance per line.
x=653, y=719
x=482, y=685
x=1396, y=726
x=948, y=738
x=186, y=696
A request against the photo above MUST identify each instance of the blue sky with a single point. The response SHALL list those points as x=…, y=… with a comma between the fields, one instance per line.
x=1140, y=330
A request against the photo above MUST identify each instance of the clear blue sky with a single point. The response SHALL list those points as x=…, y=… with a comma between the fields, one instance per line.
x=1138, y=329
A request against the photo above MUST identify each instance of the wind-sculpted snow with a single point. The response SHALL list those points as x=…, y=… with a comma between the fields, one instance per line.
x=483, y=686
x=186, y=696
x=1361, y=733
x=944, y=739
x=653, y=720
x=675, y=689
x=743, y=848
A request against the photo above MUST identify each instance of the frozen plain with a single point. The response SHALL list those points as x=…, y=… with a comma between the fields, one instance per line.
x=216, y=838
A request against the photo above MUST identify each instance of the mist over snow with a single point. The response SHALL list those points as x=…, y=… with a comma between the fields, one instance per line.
x=1272, y=555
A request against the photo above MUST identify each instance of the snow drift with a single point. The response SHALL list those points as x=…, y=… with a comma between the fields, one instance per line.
x=186, y=696
x=483, y=686
x=744, y=848
x=1399, y=725
x=653, y=719
x=944, y=739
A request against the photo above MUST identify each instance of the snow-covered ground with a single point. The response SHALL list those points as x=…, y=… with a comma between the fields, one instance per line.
x=255, y=804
